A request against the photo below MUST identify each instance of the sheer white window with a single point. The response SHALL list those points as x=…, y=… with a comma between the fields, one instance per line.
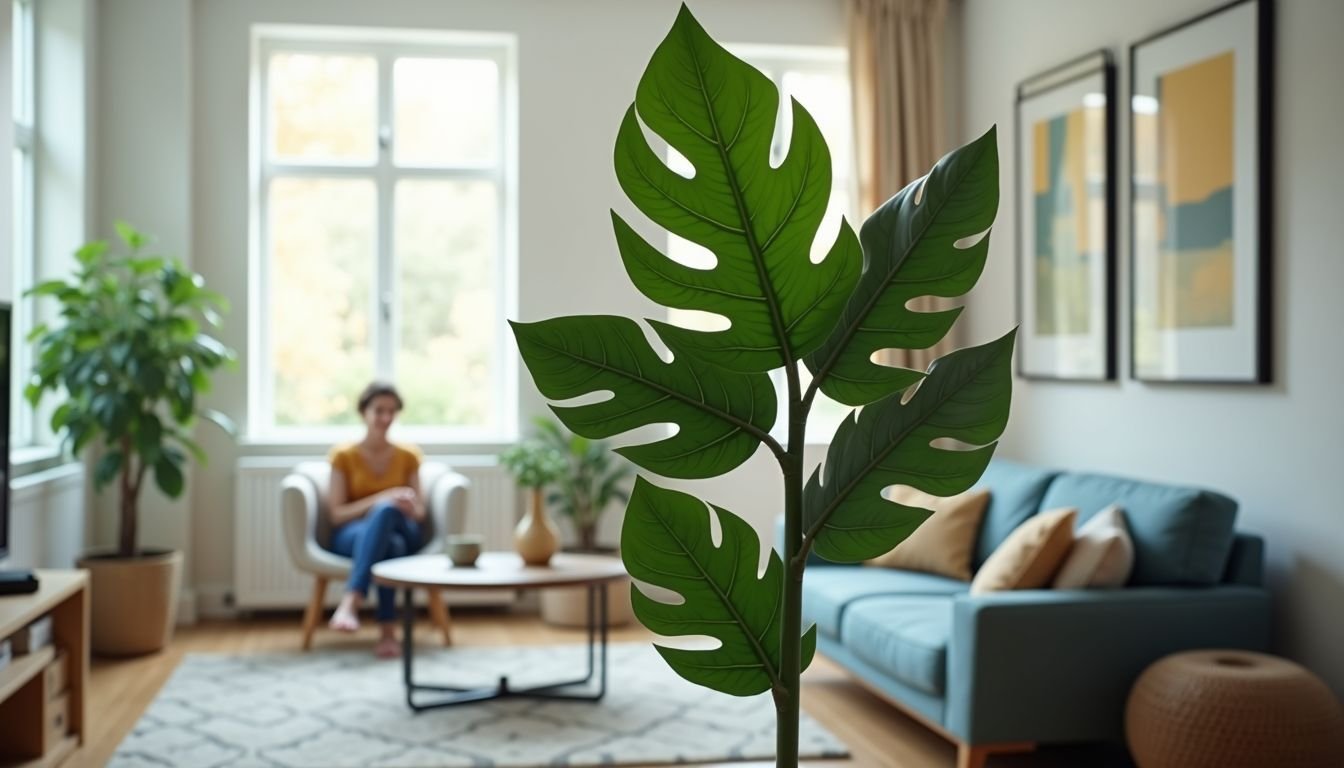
x=386, y=218
x=819, y=79
x=22, y=425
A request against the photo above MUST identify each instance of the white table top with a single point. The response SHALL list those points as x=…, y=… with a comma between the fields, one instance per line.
x=499, y=570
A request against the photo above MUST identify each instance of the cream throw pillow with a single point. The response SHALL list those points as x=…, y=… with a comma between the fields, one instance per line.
x=1030, y=556
x=943, y=543
x=1102, y=554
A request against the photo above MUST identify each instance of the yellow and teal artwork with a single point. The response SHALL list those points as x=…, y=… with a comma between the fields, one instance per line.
x=1195, y=167
x=1069, y=242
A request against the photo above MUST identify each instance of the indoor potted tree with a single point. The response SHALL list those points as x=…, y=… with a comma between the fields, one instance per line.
x=594, y=479
x=132, y=359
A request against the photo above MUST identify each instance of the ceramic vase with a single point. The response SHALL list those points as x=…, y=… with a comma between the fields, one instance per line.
x=536, y=538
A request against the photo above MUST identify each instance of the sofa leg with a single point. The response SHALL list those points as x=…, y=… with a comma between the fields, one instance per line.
x=313, y=613
x=438, y=613
x=975, y=756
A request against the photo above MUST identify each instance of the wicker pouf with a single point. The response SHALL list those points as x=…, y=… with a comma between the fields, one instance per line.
x=1233, y=709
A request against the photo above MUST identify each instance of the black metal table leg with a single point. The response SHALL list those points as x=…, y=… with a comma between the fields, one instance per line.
x=563, y=690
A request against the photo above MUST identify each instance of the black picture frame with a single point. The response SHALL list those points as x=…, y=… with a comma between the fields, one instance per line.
x=1101, y=349
x=1259, y=369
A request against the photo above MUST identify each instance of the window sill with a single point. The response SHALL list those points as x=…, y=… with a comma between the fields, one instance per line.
x=32, y=459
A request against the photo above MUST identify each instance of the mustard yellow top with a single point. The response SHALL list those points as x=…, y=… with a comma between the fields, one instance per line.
x=361, y=481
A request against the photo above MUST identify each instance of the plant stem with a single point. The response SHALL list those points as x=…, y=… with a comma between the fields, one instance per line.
x=790, y=657
x=129, y=493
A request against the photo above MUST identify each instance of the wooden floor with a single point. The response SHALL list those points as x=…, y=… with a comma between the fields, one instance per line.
x=877, y=734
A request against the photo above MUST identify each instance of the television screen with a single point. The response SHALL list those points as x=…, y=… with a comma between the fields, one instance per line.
x=5, y=342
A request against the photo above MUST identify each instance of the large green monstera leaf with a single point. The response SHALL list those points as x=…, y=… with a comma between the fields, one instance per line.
x=759, y=221
x=933, y=430
x=910, y=250
x=666, y=541
x=964, y=398
x=721, y=416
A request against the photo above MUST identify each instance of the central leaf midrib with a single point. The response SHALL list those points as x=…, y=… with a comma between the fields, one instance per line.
x=891, y=446
x=749, y=233
x=750, y=429
x=727, y=603
x=849, y=332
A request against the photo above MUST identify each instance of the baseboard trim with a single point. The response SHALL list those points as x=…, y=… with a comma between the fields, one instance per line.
x=186, y=607
x=215, y=601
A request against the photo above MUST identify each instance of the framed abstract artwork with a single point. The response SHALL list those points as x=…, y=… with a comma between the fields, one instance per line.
x=1066, y=221
x=1200, y=131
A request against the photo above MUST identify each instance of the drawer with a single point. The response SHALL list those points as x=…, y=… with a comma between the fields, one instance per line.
x=57, y=675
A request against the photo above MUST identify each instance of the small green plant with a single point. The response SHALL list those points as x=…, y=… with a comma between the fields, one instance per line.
x=592, y=480
x=934, y=430
x=533, y=463
x=133, y=360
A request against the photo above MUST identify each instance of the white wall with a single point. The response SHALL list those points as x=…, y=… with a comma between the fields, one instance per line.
x=177, y=71
x=1277, y=449
x=144, y=177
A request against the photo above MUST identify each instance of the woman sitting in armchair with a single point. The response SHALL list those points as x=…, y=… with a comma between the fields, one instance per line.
x=377, y=510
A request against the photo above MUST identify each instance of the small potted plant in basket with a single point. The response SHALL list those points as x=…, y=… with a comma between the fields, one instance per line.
x=534, y=464
x=594, y=479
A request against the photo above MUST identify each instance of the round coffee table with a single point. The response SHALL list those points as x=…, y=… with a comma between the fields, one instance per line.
x=505, y=570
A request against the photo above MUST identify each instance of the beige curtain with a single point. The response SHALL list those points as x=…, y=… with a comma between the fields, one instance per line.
x=896, y=68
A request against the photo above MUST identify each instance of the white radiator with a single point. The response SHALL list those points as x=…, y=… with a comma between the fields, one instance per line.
x=264, y=576
x=47, y=521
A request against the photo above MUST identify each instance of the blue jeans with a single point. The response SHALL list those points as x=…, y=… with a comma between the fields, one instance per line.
x=381, y=534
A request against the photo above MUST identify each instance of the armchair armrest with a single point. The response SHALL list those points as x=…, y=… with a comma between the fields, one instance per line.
x=299, y=509
x=1054, y=666
x=447, y=500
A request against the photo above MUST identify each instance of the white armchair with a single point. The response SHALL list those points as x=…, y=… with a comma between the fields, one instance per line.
x=307, y=527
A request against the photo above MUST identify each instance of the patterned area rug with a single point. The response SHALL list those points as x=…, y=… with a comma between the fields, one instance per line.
x=336, y=709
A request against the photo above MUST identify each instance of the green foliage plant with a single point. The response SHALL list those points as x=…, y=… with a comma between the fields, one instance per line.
x=593, y=479
x=133, y=360
x=533, y=463
x=934, y=430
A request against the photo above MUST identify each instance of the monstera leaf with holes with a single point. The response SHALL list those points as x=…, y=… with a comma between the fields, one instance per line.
x=934, y=430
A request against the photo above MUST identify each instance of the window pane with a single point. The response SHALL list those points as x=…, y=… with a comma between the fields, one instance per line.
x=323, y=239
x=448, y=297
x=446, y=111
x=323, y=108
x=826, y=97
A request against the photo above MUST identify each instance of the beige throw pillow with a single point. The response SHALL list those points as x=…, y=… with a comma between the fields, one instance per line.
x=943, y=543
x=1030, y=556
x=1102, y=554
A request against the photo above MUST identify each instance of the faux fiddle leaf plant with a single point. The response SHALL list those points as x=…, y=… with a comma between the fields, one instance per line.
x=133, y=359
x=759, y=221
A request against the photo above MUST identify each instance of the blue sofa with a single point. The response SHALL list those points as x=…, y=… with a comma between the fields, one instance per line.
x=1007, y=671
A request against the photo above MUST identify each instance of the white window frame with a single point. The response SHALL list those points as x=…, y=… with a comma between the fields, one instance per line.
x=385, y=46
x=23, y=31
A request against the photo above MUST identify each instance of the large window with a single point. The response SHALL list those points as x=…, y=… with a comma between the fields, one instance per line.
x=386, y=213
x=22, y=425
x=819, y=79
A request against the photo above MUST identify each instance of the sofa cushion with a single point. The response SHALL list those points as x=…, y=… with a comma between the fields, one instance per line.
x=1031, y=557
x=1102, y=555
x=1015, y=494
x=904, y=636
x=944, y=542
x=827, y=590
x=1181, y=535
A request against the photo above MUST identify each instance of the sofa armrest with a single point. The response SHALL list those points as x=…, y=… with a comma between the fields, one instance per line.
x=1056, y=666
x=447, y=503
